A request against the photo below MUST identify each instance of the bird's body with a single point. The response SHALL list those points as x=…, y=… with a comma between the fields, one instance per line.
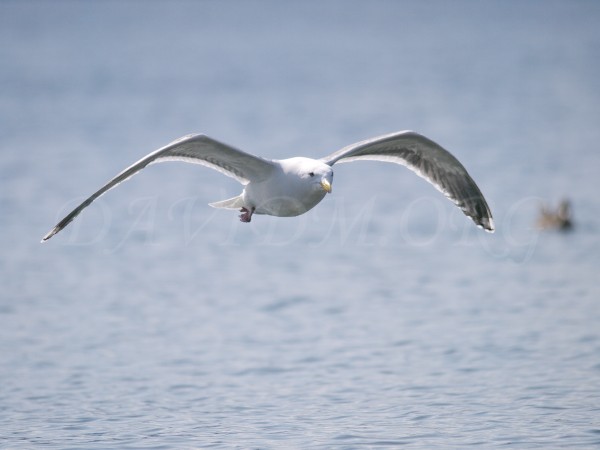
x=291, y=187
x=290, y=190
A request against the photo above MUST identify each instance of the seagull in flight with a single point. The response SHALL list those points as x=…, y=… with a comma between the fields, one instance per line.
x=290, y=187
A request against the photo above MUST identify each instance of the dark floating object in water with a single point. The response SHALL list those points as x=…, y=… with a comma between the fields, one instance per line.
x=560, y=219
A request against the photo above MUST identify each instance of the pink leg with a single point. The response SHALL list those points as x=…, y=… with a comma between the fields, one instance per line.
x=246, y=215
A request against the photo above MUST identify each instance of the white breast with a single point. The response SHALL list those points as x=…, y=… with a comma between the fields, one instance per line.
x=285, y=194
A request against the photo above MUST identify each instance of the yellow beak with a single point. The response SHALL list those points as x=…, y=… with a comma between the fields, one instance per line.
x=326, y=185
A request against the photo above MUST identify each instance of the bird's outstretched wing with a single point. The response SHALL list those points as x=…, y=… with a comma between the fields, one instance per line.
x=198, y=149
x=428, y=160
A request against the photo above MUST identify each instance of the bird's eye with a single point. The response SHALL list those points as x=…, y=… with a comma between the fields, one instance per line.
x=312, y=174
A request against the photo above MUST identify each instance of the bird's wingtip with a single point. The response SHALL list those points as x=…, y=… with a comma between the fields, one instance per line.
x=488, y=225
x=50, y=233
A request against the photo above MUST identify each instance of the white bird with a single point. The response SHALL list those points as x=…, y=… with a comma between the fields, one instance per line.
x=290, y=187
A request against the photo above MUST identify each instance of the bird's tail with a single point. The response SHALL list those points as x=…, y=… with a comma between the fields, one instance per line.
x=230, y=203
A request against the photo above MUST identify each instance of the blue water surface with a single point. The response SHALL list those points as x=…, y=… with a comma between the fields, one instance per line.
x=382, y=318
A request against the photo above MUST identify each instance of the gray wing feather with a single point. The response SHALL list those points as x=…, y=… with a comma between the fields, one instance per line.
x=428, y=160
x=197, y=149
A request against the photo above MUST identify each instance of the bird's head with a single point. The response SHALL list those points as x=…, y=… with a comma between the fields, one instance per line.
x=313, y=174
x=319, y=174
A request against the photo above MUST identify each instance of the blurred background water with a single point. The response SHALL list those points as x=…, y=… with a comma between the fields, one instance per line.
x=382, y=318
